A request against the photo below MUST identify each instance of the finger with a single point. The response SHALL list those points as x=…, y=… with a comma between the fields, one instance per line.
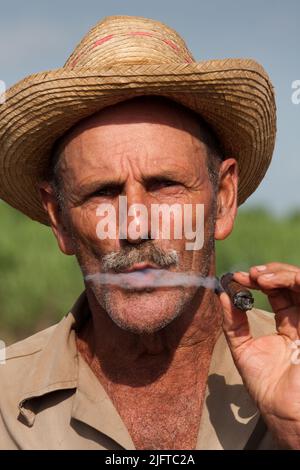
x=270, y=280
x=245, y=279
x=235, y=326
x=267, y=268
x=282, y=289
x=279, y=280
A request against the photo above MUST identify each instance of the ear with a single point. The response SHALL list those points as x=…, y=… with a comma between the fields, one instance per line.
x=58, y=224
x=226, y=198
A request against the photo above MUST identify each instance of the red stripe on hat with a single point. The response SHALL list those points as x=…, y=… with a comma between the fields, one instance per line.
x=102, y=40
x=171, y=44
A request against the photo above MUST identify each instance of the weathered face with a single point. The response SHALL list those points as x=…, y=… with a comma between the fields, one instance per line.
x=150, y=153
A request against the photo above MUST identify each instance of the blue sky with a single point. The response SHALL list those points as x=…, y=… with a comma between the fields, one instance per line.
x=39, y=35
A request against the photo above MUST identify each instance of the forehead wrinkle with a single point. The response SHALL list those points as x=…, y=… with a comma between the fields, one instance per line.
x=78, y=153
x=150, y=109
x=159, y=133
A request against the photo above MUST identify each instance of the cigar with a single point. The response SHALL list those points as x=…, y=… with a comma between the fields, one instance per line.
x=238, y=294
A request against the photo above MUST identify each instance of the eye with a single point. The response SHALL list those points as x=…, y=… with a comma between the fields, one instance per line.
x=106, y=191
x=156, y=184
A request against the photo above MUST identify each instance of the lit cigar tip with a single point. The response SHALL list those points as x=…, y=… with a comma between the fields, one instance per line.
x=240, y=296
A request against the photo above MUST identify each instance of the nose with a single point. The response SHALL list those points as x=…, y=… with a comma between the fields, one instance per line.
x=134, y=217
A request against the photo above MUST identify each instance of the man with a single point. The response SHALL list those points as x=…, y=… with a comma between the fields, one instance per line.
x=141, y=360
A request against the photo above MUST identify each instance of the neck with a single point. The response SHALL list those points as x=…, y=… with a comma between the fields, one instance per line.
x=119, y=356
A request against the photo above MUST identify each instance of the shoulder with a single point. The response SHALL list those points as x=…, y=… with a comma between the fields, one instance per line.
x=20, y=359
x=29, y=346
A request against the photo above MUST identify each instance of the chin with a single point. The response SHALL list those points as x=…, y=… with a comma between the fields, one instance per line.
x=143, y=312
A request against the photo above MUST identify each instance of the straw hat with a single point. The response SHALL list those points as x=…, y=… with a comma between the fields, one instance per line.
x=120, y=58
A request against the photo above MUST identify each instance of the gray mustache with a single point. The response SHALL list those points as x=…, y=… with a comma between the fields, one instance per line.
x=120, y=261
x=147, y=278
x=151, y=278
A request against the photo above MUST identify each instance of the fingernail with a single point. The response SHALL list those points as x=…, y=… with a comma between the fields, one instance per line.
x=243, y=273
x=267, y=276
x=261, y=268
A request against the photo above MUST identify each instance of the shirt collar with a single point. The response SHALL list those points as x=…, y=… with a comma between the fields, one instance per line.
x=228, y=418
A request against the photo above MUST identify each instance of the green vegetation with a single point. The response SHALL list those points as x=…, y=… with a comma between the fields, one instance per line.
x=39, y=284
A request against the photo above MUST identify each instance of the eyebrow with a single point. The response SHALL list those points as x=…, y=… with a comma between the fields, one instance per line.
x=167, y=174
x=87, y=189
x=84, y=190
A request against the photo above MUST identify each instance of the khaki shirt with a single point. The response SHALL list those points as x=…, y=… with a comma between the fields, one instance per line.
x=50, y=398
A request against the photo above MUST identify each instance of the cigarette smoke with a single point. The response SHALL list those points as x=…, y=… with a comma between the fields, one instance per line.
x=151, y=278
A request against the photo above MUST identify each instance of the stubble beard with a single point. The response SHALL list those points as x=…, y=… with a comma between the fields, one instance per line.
x=90, y=261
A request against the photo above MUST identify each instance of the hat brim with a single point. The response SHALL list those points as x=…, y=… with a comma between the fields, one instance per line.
x=234, y=96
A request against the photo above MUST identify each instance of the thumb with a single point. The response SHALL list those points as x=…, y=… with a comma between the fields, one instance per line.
x=235, y=326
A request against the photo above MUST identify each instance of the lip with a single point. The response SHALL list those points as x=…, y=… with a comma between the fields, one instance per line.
x=140, y=267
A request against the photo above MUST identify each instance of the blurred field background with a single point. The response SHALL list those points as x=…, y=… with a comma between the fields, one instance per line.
x=39, y=284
